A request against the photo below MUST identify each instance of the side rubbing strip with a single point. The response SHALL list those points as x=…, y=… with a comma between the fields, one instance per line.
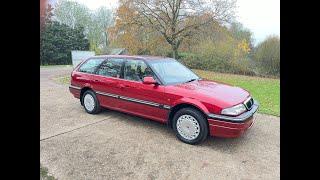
x=166, y=107
x=134, y=100
x=140, y=101
x=107, y=94
x=75, y=87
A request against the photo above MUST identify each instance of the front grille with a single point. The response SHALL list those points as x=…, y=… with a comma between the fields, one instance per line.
x=249, y=103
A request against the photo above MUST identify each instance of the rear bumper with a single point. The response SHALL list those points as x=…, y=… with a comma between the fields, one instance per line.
x=75, y=91
x=227, y=126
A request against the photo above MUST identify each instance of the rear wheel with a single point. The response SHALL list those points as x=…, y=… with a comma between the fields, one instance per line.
x=190, y=126
x=90, y=102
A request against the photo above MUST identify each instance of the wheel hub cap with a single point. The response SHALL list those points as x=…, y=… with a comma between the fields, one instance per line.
x=89, y=102
x=188, y=127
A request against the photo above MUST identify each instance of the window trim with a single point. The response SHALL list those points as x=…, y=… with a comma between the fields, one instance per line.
x=154, y=72
x=125, y=59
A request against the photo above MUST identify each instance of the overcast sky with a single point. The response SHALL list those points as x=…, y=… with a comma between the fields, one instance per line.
x=262, y=17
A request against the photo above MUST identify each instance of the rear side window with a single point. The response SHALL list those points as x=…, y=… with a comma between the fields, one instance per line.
x=91, y=65
x=111, y=68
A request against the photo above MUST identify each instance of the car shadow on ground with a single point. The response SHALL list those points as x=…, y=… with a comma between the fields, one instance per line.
x=215, y=143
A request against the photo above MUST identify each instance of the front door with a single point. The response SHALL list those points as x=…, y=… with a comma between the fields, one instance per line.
x=142, y=99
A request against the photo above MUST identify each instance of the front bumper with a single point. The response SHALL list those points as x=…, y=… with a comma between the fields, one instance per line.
x=228, y=126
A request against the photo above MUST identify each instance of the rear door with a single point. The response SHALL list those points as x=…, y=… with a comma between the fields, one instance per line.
x=106, y=81
x=138, y=98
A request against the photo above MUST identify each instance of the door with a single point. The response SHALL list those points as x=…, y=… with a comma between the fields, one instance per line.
x=106, y=80
x=142, y=99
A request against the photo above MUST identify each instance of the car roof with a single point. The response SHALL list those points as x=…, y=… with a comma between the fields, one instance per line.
x=142, y=57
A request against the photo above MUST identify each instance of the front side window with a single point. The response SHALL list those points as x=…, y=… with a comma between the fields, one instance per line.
x=172, y=72
x=91, y=65
x=136, y=70
x=111, y=68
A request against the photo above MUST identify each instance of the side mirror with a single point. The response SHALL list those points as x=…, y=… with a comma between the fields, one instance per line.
x=149, y=80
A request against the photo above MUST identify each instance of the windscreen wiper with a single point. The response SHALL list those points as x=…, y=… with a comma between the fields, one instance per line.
x=191, y=80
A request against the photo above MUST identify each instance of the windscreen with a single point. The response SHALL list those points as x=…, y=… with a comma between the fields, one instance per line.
x=172, y=72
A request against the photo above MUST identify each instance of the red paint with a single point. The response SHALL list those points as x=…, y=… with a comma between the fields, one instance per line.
x=207, y=96
x=228, y=129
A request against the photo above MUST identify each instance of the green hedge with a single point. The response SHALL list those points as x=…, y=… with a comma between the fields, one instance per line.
x=218, y=64
x=57, y=41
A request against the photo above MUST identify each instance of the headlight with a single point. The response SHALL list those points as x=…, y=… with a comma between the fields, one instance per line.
x=235, y=110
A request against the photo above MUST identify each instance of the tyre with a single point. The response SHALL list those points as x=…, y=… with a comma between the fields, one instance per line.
x=90, y=102
x=190, y=126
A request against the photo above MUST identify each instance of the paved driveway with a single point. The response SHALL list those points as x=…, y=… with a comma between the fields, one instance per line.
x=113, y=145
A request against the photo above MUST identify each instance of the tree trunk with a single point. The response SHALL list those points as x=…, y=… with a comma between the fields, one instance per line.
x=174, y=51
x=106, y=36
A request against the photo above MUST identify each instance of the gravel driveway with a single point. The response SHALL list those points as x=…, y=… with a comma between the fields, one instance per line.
x=113, y=145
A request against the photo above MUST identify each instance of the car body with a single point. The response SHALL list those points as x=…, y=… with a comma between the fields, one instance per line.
x=118, y=82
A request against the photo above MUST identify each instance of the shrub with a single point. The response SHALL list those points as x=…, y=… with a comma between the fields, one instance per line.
x=57, y=41
x=223, y=56
x=267, y=56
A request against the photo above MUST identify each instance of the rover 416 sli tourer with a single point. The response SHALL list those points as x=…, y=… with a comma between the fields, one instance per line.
x=164, y=90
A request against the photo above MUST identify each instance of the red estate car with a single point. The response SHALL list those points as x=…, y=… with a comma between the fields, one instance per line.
x=164, y=90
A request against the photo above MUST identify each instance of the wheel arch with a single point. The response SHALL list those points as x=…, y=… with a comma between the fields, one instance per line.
x=184, y=104
x=84, y=89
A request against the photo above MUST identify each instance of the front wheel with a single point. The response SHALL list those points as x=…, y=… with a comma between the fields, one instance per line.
x=190, y=126
x=90, y=102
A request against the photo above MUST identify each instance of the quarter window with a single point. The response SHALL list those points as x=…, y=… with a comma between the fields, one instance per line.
x=91, y=65
x=136, y=70
x=111, y=68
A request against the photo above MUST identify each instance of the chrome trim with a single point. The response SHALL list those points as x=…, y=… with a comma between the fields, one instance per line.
x=246, y=101
x=242, y=117
x=74, y=87
x=122, y=78
x=162, y=106
x=166, y=107
x=140, y=101
x=134, y=100
x=107, y=94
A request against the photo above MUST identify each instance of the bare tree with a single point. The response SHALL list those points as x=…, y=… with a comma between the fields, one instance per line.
x=95, y=23
x=71, y=13
x=178, y=19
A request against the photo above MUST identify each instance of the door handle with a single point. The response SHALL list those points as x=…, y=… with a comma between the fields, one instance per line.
x=121, y=86
x=96, y=80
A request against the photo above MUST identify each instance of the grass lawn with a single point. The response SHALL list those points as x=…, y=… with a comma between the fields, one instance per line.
x=265, y=90
x=62, y=79
x=44, y=174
